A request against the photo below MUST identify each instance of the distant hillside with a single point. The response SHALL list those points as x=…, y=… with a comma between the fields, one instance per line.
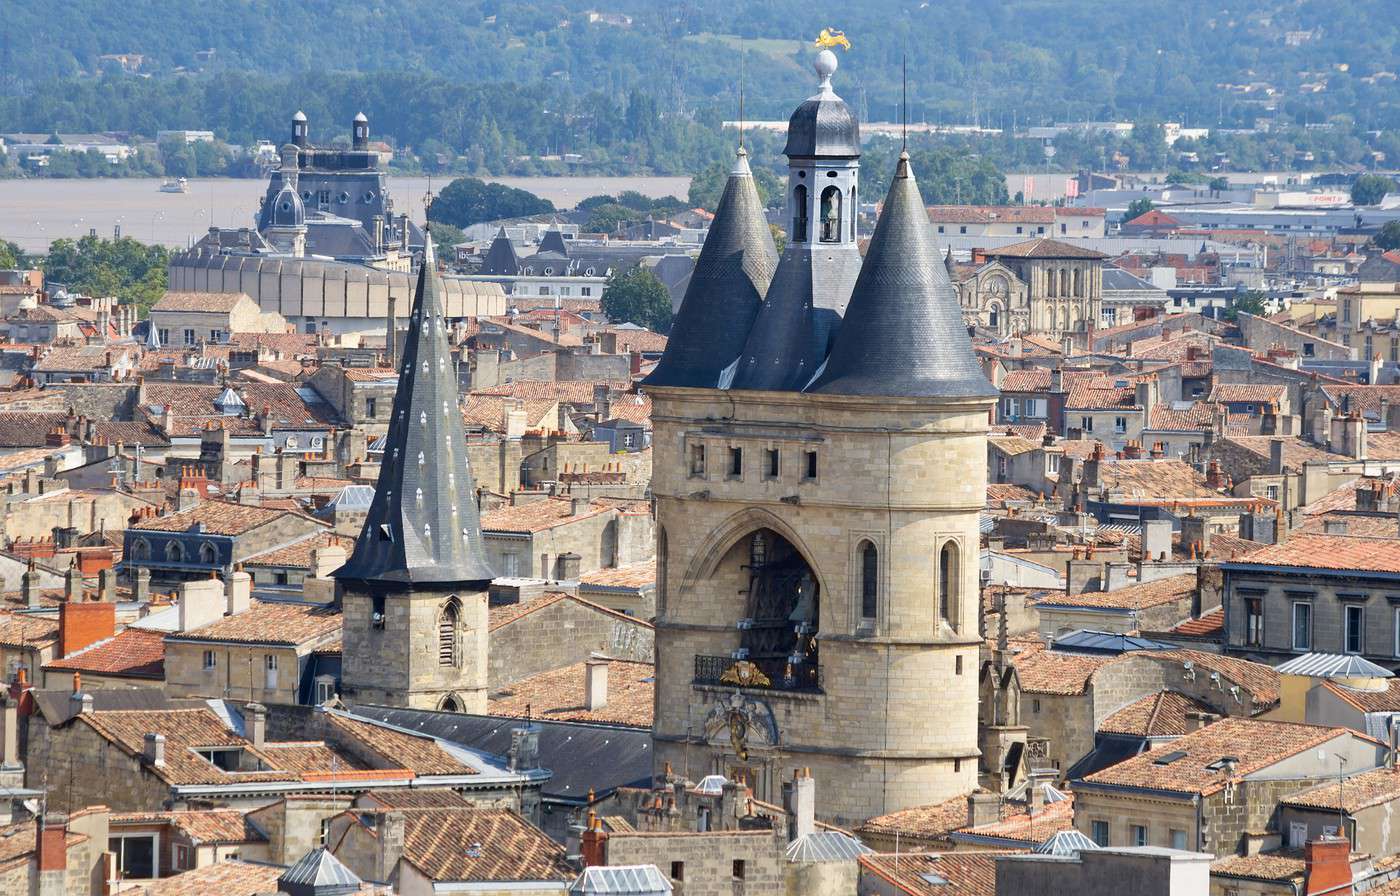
x=1031, y=60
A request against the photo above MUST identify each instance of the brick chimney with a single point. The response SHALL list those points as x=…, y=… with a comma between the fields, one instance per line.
x=1327, y=866
x=595, y=843
x=83, y=624
x=51, y=840
x=1215, y=477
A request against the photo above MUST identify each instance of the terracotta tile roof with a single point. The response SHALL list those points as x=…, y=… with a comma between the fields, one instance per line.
x=629, y=340
x=965, y=873
x=1133, y=597
x=926, y=822
x=634, y=408
x=1163, y=479
x=20, y=631
x=621, y=578
x=1162, y=714
x=24, y=429
x=1043, y=248
x=1177, y=347
x=1044, y=671
x=1258, y=393
x=1200, y=415
x=210, y=302
x=1011, y=445
x=17, y=840
x=302, y=757
x=1265, y=866
x=1387, y=700
x=1364, y=524
x=1258, y=680
x=1100, y=395
x=64, y=358
x=216, y=518
x=1296, y=452
x=1336, y=552
x=488, y=412
x=1357, y=792
x=577, y=392
x=1030, y=830
x=1001, y=493
x=131, y=653
x=1365, y=399
x=535, y=516
x=504, y=614
x=1209, y=625
x=184, y=731
x=420, y=755
x=480, y=845
x=558, y=695
x=201, y=826
x=227, y=878
x=1225, y=546
x=192, y=405
x=298, y=554
x=269, y=622
x=1255, y=744
x=417, y=798
x=986, y=214
x=370, y=374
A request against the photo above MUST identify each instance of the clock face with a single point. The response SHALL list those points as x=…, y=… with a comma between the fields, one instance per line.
x=996, y=286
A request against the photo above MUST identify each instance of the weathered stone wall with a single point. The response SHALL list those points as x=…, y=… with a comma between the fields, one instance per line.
x=704, y=864
x=239, y=672
x=101, y=401
x=79, y=768
x=561, y=634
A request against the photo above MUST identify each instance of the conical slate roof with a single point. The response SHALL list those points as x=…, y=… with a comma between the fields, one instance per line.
x=729, y=281
x=553, y=241
x=501, y=260
x=903, y=334
x=781, y=352
x=423, y=526
x=318, y=873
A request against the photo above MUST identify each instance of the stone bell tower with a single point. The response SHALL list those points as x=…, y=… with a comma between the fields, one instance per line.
x=414, y=590
x=817, y=527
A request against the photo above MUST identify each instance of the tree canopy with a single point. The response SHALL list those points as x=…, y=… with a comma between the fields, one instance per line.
x=132, y=271
x=1388, y=237
x=1370, y=189
x=1137, y=208
x=469, y=200
x=636, y=296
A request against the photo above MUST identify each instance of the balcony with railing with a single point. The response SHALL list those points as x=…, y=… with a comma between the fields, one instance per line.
x=776, y=675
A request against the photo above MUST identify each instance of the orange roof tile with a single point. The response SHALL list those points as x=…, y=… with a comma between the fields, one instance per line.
x=1133, y=597
x=1162, y=714
x=504, y=846
x=131, y=653
x=1335, y=552
x=559, y=695
x=268, y=622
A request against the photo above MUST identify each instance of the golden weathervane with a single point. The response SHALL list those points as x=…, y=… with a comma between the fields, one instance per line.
x=830, y=37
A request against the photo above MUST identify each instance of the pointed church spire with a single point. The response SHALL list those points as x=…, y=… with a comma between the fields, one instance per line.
x=729, y=281
x=903, y=334
x=423, y=526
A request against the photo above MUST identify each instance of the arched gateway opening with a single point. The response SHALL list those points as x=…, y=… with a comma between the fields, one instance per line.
x=778, y=632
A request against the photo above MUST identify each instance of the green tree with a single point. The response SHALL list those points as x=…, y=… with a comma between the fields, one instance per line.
x=636, y=296
x=1386, y=239
x=1220, y=184
x=707, y=186
x=12, y=256
x=469, y=200
x=779, y=238
x=1252, y=302
x=1369, y=189
x=1137, y=208
x=608, y=218
x=445, y=236
x=132, y=271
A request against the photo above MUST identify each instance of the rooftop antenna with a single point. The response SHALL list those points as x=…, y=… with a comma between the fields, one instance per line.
x=904, y=103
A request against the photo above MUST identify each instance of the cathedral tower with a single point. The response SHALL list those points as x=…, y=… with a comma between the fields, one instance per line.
x=817, y=525
x=414, y=590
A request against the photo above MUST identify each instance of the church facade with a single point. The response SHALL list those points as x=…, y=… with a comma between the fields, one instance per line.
x=820, y=438
x=1041, y=286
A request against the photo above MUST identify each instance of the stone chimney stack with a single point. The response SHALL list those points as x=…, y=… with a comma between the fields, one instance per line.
x=238, y=591
x=391, y=835
x=255, y=724
x=983, y=807
x=153, y=749
x=595, y=695
x=804, y=805
x=29, y=586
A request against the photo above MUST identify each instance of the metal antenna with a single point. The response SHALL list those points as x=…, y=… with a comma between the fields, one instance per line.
x=904, y=103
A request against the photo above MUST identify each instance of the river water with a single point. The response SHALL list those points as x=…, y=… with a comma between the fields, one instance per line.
x=34, y=213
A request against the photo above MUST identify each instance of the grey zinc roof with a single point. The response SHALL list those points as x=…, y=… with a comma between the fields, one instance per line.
x=826, y=846
x=1333, y=665
x=423, y=525
x=1066, y=843
x=500, y=259
x=622, y=880
x=553, y=242
x=726, y=286
x=318, y=873
x=823, y=126
x=903, y=334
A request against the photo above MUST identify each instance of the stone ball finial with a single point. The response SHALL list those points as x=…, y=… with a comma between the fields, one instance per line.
x=825, y=65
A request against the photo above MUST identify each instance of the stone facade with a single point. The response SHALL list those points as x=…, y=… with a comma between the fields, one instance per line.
x=1011, y=294
x=890, y=718
x=80, y=768
x=398, y=651
x=720, y=863
x=564, y=632
x=258, y=673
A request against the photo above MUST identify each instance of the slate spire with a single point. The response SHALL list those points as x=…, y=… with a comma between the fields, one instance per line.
x=423, y=526
x=903, y=333
x=729, y=281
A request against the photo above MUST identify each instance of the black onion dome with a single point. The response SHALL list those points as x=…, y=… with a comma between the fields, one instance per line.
x=728, y=283
x=903, y=333
x=423, y=525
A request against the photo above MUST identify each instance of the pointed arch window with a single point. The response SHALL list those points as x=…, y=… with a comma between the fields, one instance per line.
x=449, y=640
x=141, y=549
x=869, y=580
x=175, y=552
x=948, y=582
x=1050, y=291
x=207, y=554
x=799, y=214
x=1078, y=282
x=1064, y=282
x=855, y=210
x=661, y=550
